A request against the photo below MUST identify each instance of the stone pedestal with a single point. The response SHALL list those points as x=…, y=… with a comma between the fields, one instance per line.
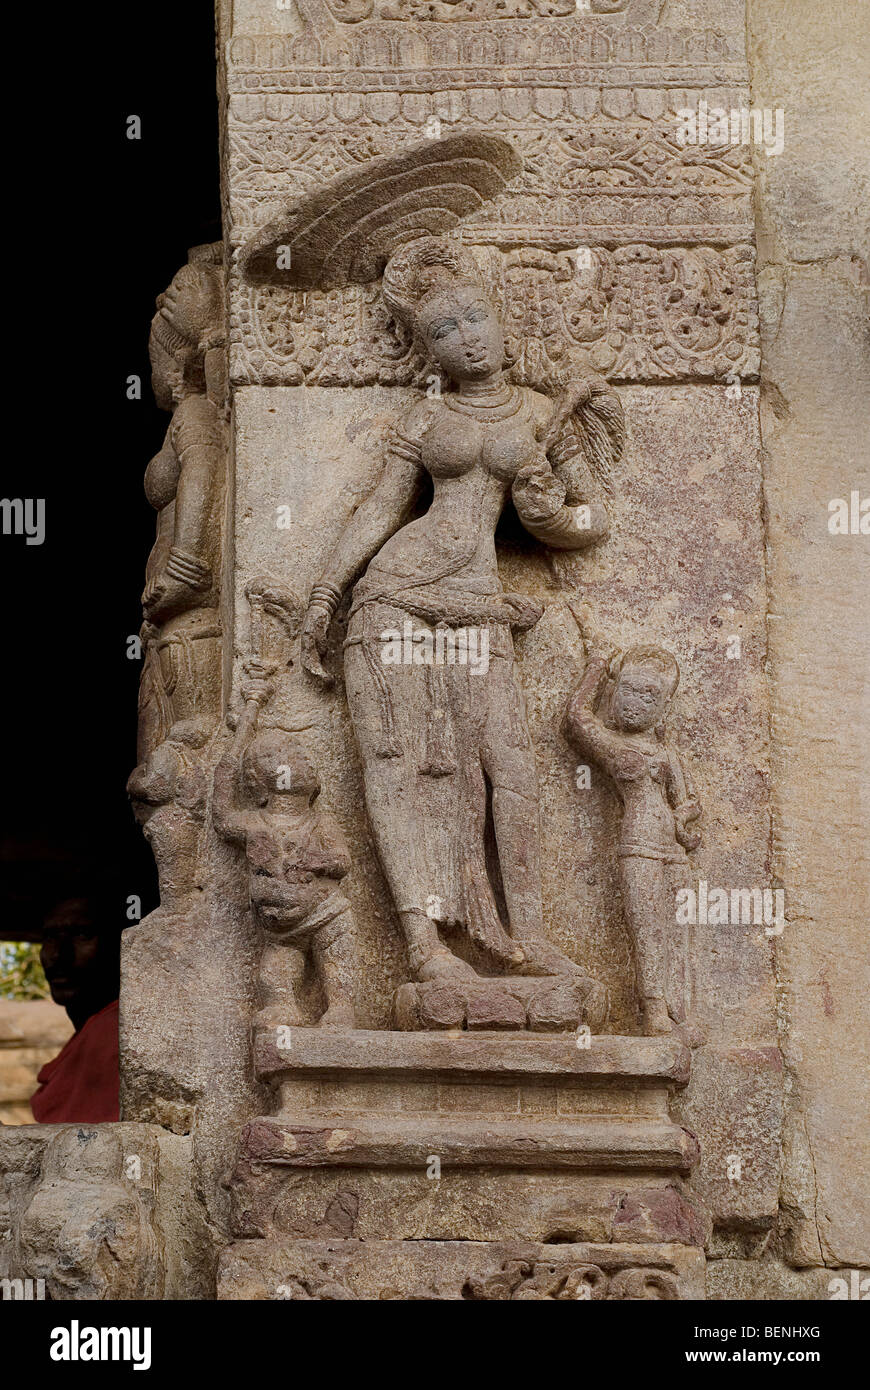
x=380, y=1138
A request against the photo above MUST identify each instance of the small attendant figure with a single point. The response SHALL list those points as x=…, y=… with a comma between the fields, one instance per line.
x=628, y=743
x=264, y=793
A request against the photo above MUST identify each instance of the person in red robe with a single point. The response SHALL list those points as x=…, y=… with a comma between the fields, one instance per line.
x=80, y=956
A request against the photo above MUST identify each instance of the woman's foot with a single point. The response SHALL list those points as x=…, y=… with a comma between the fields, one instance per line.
x=441, y=964
x=338, y=1016
x=541, y=957
x=279, y=1016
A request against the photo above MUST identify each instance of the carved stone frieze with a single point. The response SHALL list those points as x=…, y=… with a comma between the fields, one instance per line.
x=636, y=313
x=572, y=52
x=488, y=9
x=587, y=178
x=317, y=13
x=444, y=1270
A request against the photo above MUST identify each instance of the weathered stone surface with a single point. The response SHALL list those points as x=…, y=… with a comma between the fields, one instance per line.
x=813, y=238
x=772, y=1280
x=339, y=1270
x=102, y=1212
x=629, y=1060
x=485, y=1203
x=735, y=1100
x=400, y=1141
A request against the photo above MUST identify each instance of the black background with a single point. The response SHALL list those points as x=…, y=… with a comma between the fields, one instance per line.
x=101, y=225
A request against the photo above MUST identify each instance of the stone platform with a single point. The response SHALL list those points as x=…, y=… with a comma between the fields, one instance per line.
x=466, y=1136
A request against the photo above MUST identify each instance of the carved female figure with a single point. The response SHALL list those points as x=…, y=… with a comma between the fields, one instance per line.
x=183, y=482
x=445, y=743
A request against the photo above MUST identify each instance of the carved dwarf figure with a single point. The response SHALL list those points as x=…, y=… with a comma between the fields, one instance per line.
x=264, y=793
x=658, y=803
x=183, y=482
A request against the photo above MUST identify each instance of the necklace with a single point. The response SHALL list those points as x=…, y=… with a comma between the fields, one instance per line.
x=500, y=407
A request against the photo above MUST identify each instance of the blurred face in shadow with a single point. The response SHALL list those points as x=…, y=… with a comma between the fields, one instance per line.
x=81, y=961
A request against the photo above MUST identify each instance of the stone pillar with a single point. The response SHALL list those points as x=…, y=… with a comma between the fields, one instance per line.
x=544, y=148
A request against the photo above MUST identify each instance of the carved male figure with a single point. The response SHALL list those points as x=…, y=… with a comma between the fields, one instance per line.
x=628, y=742
x=264, y=793
x=169, y=792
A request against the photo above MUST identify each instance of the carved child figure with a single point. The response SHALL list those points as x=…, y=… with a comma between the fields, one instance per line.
x=264, y=793
x=657, y=799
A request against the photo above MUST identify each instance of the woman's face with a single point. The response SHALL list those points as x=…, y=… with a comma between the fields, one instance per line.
x=462, y=334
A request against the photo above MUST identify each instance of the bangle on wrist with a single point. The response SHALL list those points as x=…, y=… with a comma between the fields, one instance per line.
x=186, y=568
x=327, y=595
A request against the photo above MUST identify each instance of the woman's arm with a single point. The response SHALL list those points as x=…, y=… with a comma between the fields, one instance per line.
x=196, y=439
x=373, y=522
x=559, y=498
x=375, y=519
x=684, y=803
x=540, y=499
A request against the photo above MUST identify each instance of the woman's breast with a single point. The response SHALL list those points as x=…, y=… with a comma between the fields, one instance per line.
x=459, y=444
x=161, y=478
x=506, y=451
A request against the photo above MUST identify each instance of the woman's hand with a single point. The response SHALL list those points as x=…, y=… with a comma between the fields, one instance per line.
x=683, y=815
x=258, y=684
x=164, y=597
x=537, y=492
x=315, y=634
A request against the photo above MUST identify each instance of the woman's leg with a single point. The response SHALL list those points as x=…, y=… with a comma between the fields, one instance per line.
x=508, y=759
x=645, y=905
x=416, y=819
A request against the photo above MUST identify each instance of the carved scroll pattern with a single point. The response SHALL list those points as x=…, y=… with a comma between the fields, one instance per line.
x=639, y=313
x=517, y=1280
x=602, y=180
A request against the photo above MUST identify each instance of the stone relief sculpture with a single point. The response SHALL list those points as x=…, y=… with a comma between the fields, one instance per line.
x=557, y=1281
x=453, y=318
x=168, y=792
x=264, y=789
x=264, y=792
x=625, y=737
x=184, y=483
x=434, y=735
x=318, y=12
x=85, y=1224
